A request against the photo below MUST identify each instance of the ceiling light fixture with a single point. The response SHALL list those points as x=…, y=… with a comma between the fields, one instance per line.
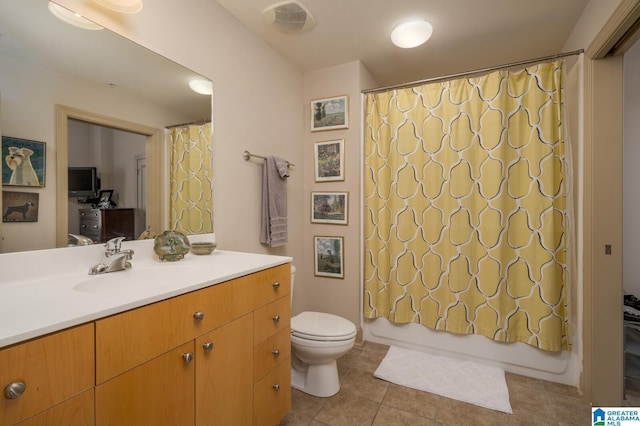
x=201, y=86
x=122, y=6
x=72, y=18
x=411, y=34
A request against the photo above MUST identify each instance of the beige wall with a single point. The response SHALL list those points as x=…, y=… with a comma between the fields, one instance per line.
x=336, y=296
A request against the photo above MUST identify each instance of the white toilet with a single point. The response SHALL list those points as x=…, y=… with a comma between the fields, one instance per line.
x=317, y=341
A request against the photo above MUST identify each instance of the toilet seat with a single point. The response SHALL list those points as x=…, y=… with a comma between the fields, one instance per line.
x=320, y=326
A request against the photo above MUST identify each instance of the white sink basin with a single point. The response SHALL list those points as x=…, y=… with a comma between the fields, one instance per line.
x=158, y=276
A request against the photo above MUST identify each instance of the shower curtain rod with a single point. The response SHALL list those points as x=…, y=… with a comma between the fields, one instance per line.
x=466, y=73
x=203, y=121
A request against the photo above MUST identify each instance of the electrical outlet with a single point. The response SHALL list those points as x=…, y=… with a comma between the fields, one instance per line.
x=607, y=249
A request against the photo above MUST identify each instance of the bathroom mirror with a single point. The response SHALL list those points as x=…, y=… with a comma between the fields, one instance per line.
x=116, y=78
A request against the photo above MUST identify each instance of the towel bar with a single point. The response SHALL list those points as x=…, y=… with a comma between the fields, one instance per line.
x=247, y=156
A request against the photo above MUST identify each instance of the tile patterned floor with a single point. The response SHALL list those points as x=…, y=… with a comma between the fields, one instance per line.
x=365, y=400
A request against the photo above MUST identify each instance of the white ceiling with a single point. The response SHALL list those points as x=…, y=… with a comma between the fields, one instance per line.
x=467, y=34
x=29, y=33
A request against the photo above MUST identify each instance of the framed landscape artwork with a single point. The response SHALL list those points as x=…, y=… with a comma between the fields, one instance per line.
x=329, y=163
x=329, y=207
x=330, y=114
x=329, y=256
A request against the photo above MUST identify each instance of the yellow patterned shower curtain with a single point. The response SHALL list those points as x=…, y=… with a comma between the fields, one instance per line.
x=191, y=179
x=465, y=206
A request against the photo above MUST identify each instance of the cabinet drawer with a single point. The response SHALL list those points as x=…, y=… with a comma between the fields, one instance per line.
x=89, y=214
x=94, y=234
x=272, y=395
x=271, y=284
x=77, y=411
x=91, y=223
x=268, y=354
x=271, y=318
x=54, y=368
x=126, y=340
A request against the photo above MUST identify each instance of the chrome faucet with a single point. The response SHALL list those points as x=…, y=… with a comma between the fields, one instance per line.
x=113, y=258
x=78, y=240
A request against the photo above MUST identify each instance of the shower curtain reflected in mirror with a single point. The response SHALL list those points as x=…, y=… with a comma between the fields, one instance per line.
x=191, y=178
x=466, y=223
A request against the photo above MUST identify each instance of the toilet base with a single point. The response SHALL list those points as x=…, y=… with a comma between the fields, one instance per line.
x=318, y=380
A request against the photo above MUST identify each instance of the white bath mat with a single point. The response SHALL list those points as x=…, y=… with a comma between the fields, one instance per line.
x=466, y=381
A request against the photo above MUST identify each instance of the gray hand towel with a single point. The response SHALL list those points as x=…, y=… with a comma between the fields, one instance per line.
x=274, y=201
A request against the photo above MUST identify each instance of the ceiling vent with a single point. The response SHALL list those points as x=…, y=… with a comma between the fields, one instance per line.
x=289, y=17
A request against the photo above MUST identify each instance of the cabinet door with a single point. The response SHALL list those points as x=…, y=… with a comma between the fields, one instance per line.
x=54, y=368
x=224, y=375
x=158, y=392
x=77, y=411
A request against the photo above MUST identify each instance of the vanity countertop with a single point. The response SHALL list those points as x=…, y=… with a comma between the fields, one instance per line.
x=39, y=304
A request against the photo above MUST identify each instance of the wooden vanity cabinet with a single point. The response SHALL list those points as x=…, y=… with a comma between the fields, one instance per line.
x=220, y=355
x=56, y=369
x=194, y=352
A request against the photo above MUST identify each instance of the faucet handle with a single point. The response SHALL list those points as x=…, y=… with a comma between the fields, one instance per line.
x=113, y=245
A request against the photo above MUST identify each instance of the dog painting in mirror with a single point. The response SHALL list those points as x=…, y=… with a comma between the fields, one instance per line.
x=20, y=206
x=24, y=162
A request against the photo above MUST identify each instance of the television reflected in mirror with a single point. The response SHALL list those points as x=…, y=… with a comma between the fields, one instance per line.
x=83, y=182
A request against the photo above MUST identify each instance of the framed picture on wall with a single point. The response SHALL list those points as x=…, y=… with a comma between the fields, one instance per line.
x=23, y=162
x=330, y=113
x=329, y=257
x=329, y=207
x=20, y=206
x=329, y=160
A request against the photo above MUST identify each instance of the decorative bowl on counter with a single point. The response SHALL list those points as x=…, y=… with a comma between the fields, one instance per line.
x=171, y=245
x=203, y=247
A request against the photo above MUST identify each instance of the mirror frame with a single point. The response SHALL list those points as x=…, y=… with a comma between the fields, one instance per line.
x=153, y=149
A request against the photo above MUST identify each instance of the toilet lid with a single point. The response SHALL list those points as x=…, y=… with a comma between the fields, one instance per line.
x=319, y=324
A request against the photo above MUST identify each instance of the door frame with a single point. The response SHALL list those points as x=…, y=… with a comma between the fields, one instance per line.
x=153, y=151
x=602, y=379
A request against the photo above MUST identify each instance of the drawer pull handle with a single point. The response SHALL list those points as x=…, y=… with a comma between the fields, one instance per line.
x=276, y=285
x=187, y=357
x=14, y=390
x=276, y=387
x=276, y=318
x=276, y=353
x=198, y=316
x=207, y=346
